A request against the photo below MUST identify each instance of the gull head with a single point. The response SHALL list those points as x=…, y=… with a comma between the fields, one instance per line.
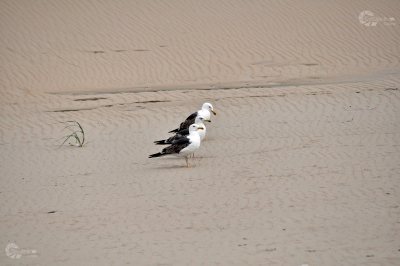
x=209, y=107
x=201, y=120
x=195, y=127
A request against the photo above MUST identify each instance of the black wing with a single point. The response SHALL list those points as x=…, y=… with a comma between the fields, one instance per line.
x=178, y=135
x=181, y=140
x=185, y=124
x=189, y=120
x=175, y=137
x=177, y=146
x=183, y=132
x=192, y=117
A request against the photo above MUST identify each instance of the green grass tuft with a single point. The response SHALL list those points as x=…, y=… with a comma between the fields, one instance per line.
x=77, y=134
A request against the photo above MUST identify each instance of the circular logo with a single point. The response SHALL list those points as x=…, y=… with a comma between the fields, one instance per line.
x=12, y=251
x=368, y=18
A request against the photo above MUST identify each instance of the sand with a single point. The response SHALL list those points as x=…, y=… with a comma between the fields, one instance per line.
x=300, y=166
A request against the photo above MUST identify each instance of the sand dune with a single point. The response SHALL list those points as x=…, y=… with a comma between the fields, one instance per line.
x=97, y=45
x=300, y=166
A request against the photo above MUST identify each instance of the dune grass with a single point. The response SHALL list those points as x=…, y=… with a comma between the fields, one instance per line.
x=77, y=134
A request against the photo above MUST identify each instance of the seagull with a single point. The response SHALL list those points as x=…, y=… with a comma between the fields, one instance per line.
x=204, y=112
x=184, y=132
x=183, y=146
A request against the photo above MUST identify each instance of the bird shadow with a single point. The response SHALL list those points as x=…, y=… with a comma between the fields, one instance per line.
x=195, y=157
x=173, y=167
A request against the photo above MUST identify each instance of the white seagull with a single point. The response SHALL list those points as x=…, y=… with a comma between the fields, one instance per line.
x=184, y=146
x=205, y=112
x=185, y=132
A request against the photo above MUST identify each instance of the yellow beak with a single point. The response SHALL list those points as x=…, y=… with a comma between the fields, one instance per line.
x=200, y=128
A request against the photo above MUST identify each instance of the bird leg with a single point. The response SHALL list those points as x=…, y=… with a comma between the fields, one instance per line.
x=193, y=159
x=187, y=161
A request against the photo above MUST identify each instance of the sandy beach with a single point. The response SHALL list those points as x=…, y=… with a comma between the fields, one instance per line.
x=298, y=167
